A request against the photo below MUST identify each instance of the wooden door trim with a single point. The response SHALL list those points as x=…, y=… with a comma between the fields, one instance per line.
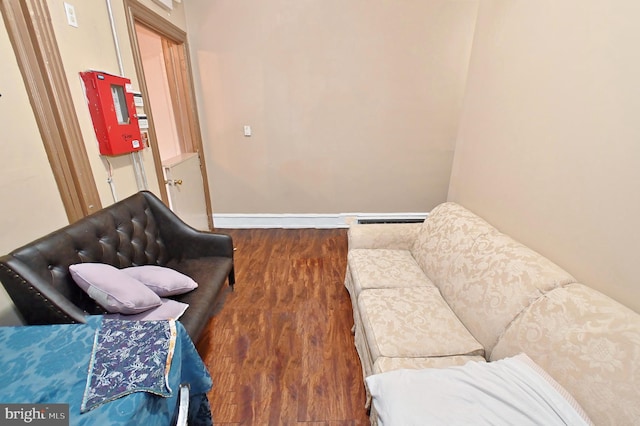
x=137, y=12
x=28, y=24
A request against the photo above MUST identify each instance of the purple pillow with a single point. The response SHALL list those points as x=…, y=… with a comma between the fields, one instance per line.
x=112, y=289
x=162, y=281
x=168, y=310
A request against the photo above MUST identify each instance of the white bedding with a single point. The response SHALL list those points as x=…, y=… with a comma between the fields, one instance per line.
x=512, y=391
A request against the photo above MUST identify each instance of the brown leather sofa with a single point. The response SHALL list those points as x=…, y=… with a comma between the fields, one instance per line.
x=139, y=230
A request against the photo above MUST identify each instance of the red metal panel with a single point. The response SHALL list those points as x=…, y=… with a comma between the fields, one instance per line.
x=112, y=108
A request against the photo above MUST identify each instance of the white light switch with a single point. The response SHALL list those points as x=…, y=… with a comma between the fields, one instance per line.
x=72, y=19
x=247, y=130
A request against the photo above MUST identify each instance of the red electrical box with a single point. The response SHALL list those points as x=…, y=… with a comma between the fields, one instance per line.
x=110, y=99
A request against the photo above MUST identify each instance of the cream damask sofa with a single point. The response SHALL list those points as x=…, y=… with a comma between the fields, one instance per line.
x=454, y=289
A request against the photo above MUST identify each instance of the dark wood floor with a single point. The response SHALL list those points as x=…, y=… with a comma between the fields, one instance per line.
x=280, y=350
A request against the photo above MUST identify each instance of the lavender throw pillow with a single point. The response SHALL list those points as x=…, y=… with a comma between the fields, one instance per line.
x=168, y=310
x=162, y=281
x=112, y=289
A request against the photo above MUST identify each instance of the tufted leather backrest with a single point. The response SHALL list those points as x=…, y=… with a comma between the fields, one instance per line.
x=123, y=234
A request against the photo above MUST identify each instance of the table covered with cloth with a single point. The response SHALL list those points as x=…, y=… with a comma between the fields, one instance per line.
x=110, y=372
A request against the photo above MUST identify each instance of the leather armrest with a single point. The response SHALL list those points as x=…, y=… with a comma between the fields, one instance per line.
x=37, y=301
x=183, y=241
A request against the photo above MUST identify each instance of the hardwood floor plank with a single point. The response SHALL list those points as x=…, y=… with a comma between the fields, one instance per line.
x=280, y=350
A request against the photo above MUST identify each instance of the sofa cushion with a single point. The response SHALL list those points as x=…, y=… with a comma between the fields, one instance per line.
x=412, y=323
x=489, y=284
x=210, y=273
x=162, y=281
x=395, y=236
x=384, y=268
x=449, y=231
x=384, y=364
x=112, y=289
x=587, y=342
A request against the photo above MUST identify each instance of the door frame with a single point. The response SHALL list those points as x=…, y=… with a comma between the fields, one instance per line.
x=31, y=33
x=181, y=87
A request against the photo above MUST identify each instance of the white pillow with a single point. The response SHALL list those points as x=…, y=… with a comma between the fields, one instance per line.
x=504, y=392
x=162, y=281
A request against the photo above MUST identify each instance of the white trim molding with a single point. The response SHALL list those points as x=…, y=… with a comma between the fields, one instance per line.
x=310, y=220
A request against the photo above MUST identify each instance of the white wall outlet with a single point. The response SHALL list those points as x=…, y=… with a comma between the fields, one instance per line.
x=72, y=19
x=247, y=130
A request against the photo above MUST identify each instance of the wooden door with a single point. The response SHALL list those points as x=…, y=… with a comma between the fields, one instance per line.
x=167, y=91
x=184, y=183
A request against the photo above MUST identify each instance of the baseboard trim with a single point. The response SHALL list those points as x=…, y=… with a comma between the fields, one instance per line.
x=341, y=220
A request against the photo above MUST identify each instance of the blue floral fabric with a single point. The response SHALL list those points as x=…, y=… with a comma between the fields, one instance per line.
x=127, y=357
x=50, y=364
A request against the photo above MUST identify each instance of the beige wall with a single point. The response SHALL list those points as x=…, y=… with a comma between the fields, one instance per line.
x=354, y=105
x=31, y=205
x=549, y=141
x=91, y=46
x=175, y=15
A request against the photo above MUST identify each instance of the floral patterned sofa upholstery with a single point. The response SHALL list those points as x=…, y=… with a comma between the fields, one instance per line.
x=455, y=289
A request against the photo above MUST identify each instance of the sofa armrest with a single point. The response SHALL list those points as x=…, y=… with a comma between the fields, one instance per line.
x=38, y=302
x=183, y=241
x=395, y=236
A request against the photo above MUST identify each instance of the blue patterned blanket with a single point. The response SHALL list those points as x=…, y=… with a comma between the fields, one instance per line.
x=127, y=357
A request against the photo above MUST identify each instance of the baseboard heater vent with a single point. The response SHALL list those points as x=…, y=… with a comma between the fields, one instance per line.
x=390, y=220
